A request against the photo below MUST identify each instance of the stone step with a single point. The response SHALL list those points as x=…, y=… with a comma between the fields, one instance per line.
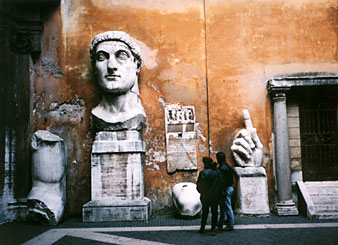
x=324, y=185
x=321, y=183
x=321, y=199
x=323, y=195
x=317, y=199
x=327, y=215
x=333, y=191
x=326, y=208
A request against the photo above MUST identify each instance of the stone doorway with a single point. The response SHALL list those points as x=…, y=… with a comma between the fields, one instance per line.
x=313, y=94
x=319, y=132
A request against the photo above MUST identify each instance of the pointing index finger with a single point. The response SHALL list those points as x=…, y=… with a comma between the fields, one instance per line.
x=247, y=119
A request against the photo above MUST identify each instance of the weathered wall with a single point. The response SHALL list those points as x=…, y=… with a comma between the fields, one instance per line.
x=171, y=37
x=248, y=42
x=195, y=52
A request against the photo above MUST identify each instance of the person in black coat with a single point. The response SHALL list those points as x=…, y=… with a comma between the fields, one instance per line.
x=209, y=186
x=227, y=190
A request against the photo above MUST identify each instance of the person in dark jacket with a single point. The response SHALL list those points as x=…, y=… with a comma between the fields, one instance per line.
x=208, y=185
x=227, y=190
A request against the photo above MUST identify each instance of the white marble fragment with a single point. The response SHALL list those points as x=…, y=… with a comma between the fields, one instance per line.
x=47, y=198
x=186, y=199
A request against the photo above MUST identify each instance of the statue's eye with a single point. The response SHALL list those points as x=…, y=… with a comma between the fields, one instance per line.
x=122, y=55
x=101, y=56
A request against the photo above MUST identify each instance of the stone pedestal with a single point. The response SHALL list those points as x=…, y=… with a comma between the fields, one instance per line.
x=117, y=189
x=114, y=210
x=252, y=191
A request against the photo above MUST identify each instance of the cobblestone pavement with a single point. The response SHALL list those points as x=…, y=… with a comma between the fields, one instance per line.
x=167, y=229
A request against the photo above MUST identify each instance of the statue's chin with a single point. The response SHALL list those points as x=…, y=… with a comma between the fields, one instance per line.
x=115, y=91
x=117, y=86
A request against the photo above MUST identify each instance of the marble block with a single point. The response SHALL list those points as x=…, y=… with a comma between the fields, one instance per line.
x=252, y=191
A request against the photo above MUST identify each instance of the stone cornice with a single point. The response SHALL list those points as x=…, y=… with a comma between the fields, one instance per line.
x=285, y=83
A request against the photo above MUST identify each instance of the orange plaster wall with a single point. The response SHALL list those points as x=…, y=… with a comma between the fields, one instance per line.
x=246, y=38
x=182, y=54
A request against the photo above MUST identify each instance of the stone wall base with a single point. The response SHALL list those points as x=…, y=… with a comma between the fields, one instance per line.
x=116, y=210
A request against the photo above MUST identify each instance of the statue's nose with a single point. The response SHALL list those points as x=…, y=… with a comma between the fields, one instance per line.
x=112, y=64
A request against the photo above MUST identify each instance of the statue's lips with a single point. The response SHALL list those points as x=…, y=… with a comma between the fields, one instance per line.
x=111, y=77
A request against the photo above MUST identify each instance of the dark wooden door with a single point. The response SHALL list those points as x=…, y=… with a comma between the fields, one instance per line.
x=319, y=137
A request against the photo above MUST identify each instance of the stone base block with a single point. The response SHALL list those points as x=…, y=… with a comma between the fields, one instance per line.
x=286, y=208
x=252, y=191
x=116, y=210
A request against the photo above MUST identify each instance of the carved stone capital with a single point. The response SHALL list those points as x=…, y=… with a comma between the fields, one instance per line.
x=278, y=93
x=279, y=96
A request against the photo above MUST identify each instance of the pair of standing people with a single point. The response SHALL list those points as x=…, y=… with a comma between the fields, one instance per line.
x=216, y=187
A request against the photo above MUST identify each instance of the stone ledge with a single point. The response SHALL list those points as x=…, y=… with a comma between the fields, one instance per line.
x=118, y=135
x=253, y=212
x=250, y=171
x=106, y=146
x=120, y=141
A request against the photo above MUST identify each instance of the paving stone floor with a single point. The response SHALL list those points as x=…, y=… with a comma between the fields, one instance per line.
x=170, y=229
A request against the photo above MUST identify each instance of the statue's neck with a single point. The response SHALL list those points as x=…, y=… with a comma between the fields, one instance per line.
x=116, y=102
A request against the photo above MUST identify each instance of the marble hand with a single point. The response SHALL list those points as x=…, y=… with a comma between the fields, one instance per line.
x=246, y=147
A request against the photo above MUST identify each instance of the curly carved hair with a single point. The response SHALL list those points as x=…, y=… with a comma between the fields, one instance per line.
x=116, y=36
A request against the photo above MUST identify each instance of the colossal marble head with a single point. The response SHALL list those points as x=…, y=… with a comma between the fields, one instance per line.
x=116, y=59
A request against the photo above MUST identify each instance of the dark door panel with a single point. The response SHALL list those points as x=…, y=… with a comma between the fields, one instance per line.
x=318, y=129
